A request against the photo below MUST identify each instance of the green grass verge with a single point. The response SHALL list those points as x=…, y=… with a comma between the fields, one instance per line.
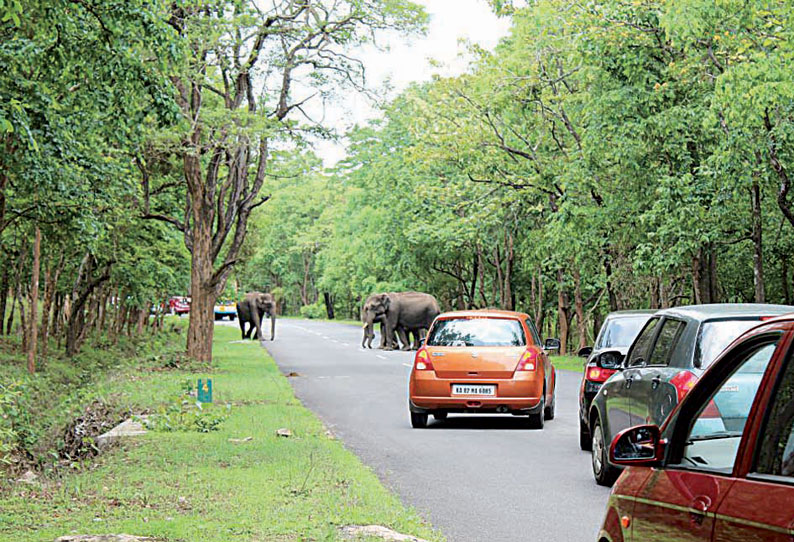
x=356, y=323
x=180, y=486
x=569, y=363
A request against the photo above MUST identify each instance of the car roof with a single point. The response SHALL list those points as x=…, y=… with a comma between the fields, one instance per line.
x=726, y=310
x=494, y=313
x=623, y=314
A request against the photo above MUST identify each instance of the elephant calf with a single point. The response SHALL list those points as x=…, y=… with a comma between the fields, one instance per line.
x=251, y=310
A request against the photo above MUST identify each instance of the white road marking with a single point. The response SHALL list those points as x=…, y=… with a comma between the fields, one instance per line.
x=345, y=344
x=381, y=357
x=407, y=364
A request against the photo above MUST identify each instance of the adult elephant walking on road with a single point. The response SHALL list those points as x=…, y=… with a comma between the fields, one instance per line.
x=251, y=310
x=398, y=312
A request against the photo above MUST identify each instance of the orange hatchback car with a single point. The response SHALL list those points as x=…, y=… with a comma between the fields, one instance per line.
x=483, y=361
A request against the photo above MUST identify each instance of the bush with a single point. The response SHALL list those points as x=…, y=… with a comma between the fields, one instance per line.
x=315, y=310
x=180, y=415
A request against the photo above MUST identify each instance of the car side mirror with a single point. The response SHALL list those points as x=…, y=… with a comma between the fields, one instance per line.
x=585, y=352
x=611, y=359
x=551, y=345
x=640, y=445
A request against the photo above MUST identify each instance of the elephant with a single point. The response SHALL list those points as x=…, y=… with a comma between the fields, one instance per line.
x=399, y=312
x=251, y=310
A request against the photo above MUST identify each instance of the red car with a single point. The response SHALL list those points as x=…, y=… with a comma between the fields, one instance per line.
x=179, y=304
x=721, y=468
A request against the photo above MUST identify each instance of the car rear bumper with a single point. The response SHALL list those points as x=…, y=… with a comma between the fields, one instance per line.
x=502, y=405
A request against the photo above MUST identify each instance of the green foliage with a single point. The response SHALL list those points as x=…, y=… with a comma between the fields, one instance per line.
x=181, y=415
x=611, y=146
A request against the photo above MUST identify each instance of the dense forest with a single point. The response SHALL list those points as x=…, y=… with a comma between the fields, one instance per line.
x=604, y=156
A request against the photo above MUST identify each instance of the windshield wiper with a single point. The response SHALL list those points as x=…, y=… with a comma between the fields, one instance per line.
x=714, y=436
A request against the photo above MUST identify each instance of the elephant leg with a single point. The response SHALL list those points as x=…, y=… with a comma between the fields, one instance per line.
x=257, y=318
x=242, y=329
x=404, y=338
x=383, y=335
x=389, y=339
x=272, y=326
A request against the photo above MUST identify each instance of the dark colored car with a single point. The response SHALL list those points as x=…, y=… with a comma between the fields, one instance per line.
x=617, y=333
x=666, y=359
x=730, y=481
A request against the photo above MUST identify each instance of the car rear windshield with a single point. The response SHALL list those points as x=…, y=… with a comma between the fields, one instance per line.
x=619, y=332
x=716, y=335
x=477, y=332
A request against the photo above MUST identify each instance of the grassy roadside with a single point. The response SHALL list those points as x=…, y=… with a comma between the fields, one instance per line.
x=201, y=486
x=356, y=323
x=569, y=363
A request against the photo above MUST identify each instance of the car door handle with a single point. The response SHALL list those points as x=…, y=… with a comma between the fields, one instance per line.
x=628, y=382
x=655, y=381
x=698, y=509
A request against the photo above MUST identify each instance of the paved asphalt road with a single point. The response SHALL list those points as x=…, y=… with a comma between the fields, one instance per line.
x=475, y=477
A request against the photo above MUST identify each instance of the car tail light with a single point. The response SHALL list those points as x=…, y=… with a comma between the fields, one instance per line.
x=711, y=411
x=683, y=382
x=598, y=374
x=422, y=361
x=528, y=361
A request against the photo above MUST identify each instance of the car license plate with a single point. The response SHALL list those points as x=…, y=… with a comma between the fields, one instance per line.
x=473, y=389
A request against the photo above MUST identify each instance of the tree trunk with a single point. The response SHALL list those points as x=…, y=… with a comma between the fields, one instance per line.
x=329, y=305
x=540, y=313
x=50, y=284
x=613, y=298
x=34, y=302
x=563, y=308
x=202, y=293
x=4, y=291
x=758, y=255
x=507, y=289
x=14, y=291
x=142, y=315
x=579, y=307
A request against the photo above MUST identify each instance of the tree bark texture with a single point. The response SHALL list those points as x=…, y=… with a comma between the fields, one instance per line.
x=563, y=308
x=758, y=255
x=581, y=325
x=34, y=303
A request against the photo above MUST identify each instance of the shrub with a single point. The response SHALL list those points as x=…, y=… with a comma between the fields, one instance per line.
x=180, y=415
x=315, y=310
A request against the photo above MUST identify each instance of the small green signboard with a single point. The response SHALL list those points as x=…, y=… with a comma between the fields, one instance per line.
x=204, y=391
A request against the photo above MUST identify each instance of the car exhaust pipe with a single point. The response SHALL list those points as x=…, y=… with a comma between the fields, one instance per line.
x=501, y=409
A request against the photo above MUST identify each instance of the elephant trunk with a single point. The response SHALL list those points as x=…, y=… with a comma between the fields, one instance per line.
x=273, y=326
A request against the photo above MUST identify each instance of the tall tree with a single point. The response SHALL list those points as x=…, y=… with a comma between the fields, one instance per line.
x=250, y=70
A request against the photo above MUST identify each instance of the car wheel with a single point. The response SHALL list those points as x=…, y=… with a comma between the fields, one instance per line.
x=218, y=317
x=604, y=473
x=440, y=415
x=418, y=421
x=585, y=442
x=536, y=420
x=549, y=412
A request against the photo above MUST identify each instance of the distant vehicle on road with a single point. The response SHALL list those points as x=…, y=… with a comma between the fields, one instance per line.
x=665, y=360
x=483, y=361
x=225, y=308
x=617, y=333
x=731, y=481
x=179, y=304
